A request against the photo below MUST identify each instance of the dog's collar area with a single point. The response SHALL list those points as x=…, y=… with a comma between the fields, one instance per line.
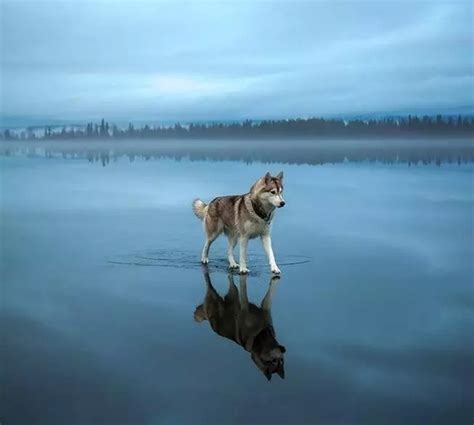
x=261, y=212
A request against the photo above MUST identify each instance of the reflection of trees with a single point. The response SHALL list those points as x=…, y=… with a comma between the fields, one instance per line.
x=292, y=128
x=291, y=152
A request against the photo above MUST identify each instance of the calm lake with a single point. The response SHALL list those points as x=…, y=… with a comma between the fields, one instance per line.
x=101, y=278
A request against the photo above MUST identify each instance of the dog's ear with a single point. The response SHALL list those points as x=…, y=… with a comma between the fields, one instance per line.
x=280, y=176
x=267, y=177
x=268, y=374
x=259, y=184
x=281, y=371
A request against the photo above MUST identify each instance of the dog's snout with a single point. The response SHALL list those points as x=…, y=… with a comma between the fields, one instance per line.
x=282, y=204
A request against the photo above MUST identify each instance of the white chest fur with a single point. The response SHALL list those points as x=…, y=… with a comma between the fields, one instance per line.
x=253, y=229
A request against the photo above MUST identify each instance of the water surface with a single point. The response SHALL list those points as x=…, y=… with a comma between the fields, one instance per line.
x=100, y=280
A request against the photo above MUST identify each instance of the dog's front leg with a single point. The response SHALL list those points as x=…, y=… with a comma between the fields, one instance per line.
x=266, y=303
x=243, y=254
x=267, y=246
x=243, y=297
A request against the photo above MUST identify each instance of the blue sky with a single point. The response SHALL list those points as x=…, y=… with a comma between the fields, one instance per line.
x=182, y=61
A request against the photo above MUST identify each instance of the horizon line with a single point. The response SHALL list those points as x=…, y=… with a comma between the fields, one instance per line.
x=61, y=122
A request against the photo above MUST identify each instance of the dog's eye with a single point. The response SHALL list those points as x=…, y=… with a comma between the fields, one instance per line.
x=273, y=192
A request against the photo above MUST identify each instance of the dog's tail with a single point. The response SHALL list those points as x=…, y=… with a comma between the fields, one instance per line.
x=199, y=208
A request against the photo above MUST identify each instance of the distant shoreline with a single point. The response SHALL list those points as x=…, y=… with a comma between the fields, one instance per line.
x=297, y=151
x=308, y=128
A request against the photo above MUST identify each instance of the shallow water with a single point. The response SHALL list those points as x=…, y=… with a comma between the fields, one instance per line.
x=100, y=281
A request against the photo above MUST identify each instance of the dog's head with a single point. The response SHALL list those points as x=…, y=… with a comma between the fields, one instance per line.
x=269, y=189
x=271, y=361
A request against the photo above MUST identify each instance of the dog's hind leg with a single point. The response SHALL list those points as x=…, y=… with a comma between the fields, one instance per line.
x=200, y=311
x=207, y=278
x=212, y=230
x=232, y=239
x=205, y=252
x=205, y=249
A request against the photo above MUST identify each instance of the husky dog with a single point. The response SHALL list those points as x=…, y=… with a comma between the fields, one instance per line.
x=234, y=318
x=242, y=217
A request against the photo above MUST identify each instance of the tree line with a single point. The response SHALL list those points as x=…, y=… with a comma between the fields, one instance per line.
x=411, y=125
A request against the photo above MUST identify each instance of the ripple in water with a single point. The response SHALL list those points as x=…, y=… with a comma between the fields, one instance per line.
x=189, y=260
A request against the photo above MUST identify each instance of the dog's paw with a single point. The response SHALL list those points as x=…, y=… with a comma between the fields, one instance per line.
x=275, y=269
x=204, y=260
x=233, y=266
x=274, y=279
x=243, y=270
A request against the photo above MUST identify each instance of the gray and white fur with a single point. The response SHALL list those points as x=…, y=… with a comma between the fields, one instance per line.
x=243, y=217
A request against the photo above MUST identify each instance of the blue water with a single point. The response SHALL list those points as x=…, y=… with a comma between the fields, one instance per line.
x=100, y=280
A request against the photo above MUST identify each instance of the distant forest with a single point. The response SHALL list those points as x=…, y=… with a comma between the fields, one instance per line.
x=295, y=128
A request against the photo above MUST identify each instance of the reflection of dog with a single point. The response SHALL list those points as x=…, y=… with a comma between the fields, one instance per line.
x=243, y=217
x=233, y=317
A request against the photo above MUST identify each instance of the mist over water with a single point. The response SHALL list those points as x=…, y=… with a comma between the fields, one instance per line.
x=298, y=151
x=101, y=277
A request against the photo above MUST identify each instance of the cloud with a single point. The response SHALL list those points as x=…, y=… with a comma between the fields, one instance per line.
x=232, y=60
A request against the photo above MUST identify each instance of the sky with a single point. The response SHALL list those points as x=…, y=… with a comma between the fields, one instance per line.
x=231, y=60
